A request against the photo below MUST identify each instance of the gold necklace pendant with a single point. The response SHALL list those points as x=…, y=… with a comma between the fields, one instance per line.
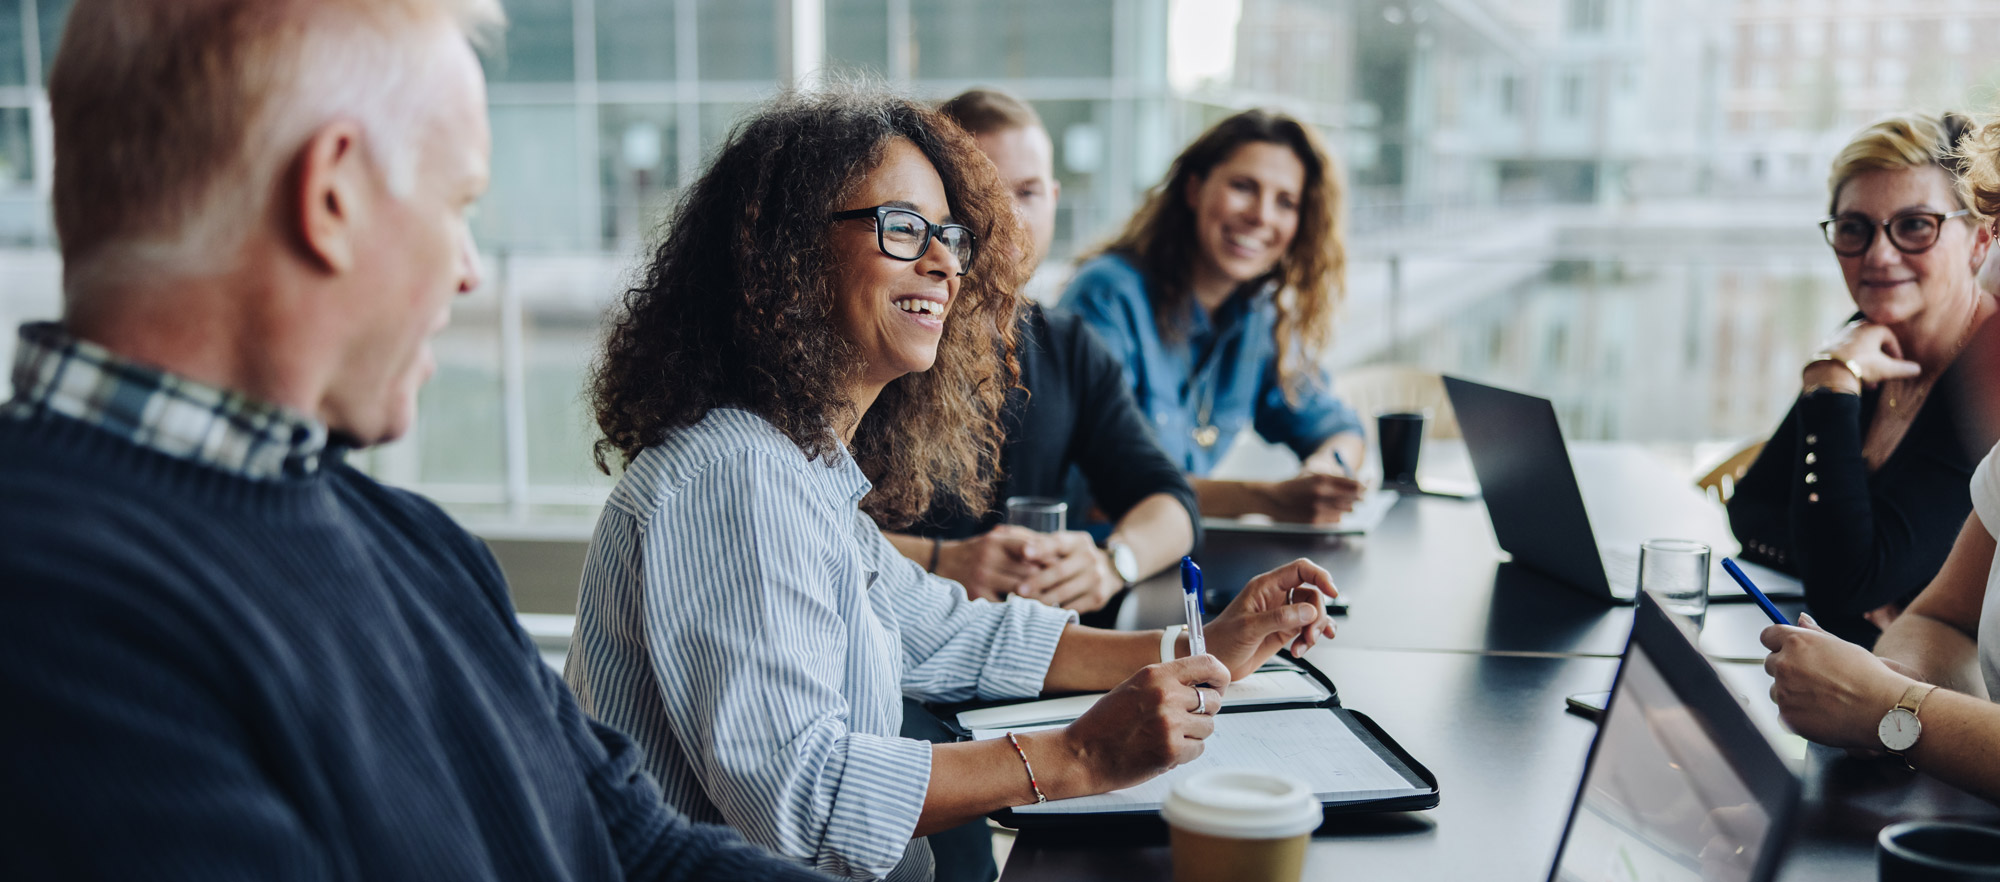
x=1206, y=436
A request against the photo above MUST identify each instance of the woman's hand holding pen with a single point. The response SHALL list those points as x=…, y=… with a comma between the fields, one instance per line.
x=1152, y=722
x=1284, y=607
x=1310, y=497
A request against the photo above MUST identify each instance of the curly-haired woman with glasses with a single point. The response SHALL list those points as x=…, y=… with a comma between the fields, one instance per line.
x=819, y=322
x=1863, y=486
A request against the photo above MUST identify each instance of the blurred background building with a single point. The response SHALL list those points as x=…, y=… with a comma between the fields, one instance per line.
x=1607, y=202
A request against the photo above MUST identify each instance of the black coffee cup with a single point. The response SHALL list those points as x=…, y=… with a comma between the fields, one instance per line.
x=1401, y=437
x=1938, y=851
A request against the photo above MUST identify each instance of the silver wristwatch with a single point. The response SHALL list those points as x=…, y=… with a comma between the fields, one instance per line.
x=1123, y=561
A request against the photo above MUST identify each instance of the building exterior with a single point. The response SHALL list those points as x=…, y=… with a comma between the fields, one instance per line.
x=1804, y=75
x=1510, y=112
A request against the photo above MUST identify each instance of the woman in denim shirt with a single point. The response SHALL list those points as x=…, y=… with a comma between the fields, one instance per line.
x=1219, y=299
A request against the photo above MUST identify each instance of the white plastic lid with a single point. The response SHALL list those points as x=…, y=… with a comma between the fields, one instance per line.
x=1241, y=804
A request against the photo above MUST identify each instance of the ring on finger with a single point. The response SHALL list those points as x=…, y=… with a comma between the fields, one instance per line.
x=1200, y=701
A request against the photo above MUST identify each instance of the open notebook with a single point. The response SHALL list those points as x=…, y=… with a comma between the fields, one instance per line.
x=1261, y=688
x=1365, y=516
x=1285, y=719
x=1326, y=750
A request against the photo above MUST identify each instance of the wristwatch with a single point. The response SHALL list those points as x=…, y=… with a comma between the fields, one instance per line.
x=1123, y=561
x=1900, y=728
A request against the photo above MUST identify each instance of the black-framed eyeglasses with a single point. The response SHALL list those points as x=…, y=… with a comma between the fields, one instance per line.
x=1912, y=232
x=906, y=235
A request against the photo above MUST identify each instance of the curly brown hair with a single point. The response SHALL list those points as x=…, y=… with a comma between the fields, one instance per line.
x=1311, y=277
x=736, y=307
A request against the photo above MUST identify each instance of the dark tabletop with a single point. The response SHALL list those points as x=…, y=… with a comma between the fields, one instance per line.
x=1465, y=661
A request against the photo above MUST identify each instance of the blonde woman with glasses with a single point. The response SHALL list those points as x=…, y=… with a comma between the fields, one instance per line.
x=1924, y=694
x=1862, y=487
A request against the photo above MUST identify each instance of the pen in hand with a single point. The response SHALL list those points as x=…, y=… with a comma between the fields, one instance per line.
x=1756, y=594
x=1191, y=604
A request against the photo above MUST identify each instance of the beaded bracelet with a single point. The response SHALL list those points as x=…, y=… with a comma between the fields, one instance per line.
x=1039, y=798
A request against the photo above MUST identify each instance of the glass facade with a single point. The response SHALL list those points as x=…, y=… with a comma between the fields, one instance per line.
x=1465, y=132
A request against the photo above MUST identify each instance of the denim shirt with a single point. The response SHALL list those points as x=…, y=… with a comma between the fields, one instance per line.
x=1225, y=365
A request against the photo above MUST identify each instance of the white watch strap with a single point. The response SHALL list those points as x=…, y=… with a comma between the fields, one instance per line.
x=1168, y=641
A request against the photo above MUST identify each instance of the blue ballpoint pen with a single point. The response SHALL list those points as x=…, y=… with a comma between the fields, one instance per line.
x=1191, y=602
x=1756, y=594
x=1342, y=462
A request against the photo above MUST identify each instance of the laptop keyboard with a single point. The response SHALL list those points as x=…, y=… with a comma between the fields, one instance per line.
x=1621, y=568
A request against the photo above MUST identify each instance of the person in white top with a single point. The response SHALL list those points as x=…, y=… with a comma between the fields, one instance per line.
x=1924, y=694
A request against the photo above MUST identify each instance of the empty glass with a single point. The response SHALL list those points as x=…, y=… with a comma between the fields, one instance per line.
x=1676, y=572
x=1039, y=513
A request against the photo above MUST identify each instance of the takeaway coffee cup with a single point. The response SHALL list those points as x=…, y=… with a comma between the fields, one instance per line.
x=1401, y=437
x=1229, y=825
x=1938, y=851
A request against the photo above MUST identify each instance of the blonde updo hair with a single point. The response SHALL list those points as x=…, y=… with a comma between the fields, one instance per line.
x=1979, y=168
x=1911, y=140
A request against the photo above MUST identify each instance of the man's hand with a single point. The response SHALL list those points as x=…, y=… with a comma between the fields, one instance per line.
x=1310, y=498
x=1286, y=606
x=1827, y=689
x=995, y=563
x=1078, y=575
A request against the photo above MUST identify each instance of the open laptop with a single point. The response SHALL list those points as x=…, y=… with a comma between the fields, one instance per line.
x=1538, y=509
x=1680, y=784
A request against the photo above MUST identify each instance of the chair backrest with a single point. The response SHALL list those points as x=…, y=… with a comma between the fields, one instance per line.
x=1720, y=482
x=1380, y=388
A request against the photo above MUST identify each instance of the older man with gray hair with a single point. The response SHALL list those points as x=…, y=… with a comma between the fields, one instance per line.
x=225, y=653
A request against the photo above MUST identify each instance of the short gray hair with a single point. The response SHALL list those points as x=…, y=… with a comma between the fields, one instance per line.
x=175, y=118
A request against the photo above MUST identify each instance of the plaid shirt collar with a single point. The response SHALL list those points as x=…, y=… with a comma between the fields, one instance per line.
x=57, y=373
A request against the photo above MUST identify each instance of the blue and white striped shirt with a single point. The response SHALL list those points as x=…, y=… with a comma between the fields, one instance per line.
x=751, y=628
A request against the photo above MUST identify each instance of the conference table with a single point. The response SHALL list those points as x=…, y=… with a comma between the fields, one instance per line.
x=1465, y=659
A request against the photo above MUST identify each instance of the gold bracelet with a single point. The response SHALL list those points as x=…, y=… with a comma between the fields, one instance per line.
x=1039, y=798
x=1847, y=363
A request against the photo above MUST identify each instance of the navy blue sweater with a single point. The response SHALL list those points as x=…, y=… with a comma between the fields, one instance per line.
x=207, y=677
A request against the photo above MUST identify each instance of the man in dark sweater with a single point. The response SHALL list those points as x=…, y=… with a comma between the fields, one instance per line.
x=226, y=654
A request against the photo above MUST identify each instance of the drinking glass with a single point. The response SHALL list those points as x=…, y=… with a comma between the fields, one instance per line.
x=1676, y=571
x=1039, y=513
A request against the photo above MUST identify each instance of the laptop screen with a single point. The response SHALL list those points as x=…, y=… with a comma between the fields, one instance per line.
x=1680, y=784
x=1661, y=801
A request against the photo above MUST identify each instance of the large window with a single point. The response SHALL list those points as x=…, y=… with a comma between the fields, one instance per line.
x=739, y=39
x=540, y=45
x=13, y=57
x=535, y=202
x=1026, y=39
x=635, y=40
x=1455, y=125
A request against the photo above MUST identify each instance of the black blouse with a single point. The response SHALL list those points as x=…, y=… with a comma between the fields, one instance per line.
x=1808, y=505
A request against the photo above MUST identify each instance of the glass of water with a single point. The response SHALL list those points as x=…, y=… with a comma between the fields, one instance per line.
x=1039, y=513
x=1676, y=572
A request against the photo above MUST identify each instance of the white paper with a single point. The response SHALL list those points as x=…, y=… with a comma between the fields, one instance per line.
x=1365, y=516
x=1265, y=687
x=1311, y=746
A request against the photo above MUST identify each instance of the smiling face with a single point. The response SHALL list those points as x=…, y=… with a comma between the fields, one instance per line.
x=1893, y=288
x=893, y=311
x=1246, y=211
x=417, y=255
